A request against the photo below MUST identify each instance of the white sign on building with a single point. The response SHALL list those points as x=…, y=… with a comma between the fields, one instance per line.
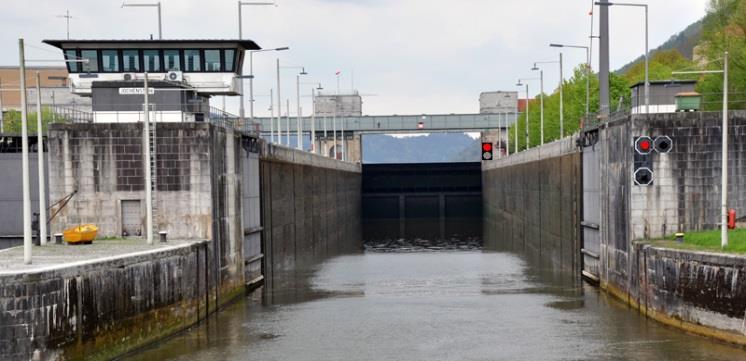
x=135, y=91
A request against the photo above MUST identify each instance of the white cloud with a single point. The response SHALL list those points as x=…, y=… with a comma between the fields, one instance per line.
x=417, y=56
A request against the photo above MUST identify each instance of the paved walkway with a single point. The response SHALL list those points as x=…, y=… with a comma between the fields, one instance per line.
x=54, y=256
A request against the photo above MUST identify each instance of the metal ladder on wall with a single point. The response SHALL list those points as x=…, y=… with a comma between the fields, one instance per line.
x=154, y=171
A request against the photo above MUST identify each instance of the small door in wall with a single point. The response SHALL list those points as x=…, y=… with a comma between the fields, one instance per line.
x=131, y=218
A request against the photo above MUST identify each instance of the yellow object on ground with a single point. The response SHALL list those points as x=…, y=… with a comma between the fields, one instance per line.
x=81, y=234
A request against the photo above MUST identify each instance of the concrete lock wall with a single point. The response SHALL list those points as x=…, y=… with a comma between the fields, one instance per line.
x=311, y=209
x=102, y=309
x=11, y=196
x=702, y=293
x=532, y=205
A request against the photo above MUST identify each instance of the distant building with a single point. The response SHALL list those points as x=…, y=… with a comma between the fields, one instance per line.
x=662, y=95
x=54, y=87
x=497, y=102
x=342, y=105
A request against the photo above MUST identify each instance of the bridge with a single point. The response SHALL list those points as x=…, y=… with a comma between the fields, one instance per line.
x=345, y=132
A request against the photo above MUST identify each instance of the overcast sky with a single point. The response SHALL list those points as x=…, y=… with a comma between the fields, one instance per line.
x=408, y=56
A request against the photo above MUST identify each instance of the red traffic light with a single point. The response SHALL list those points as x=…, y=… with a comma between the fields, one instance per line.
x=486, y=147
x=644, y=145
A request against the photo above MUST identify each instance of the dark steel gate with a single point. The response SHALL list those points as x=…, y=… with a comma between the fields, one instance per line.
x=590, y=224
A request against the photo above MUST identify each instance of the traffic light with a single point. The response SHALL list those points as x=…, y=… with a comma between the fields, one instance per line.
x=644, y=145
x=663, y=144
x=487, y=151
x=643, y=172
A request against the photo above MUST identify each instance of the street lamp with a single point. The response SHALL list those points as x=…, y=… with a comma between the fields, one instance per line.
x=647, y=52
x=157, y=5
x=245, y=3
x=313, y=114
x=297, y=94
x=26, y=188
x=587, y=73
x=724, y=161
x=251, y=86
x=528, y=100
x=541, y=95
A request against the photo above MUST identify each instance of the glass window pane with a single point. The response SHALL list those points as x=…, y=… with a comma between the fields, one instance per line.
x=152, y=60
x=172, y=59
x=192, y=60
x=212, y=60
x=110, y=60
x=230, y=54
x=130, y=60
x=72, y=55
x=92, y=65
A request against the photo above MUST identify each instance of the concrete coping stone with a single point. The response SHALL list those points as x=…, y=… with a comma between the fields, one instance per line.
x=53, y=257
x=712, y=258
x=554, y=149
x=279, y=153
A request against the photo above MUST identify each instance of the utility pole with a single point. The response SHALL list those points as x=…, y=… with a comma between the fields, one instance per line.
x=271, y=116
x=562, y=100
x=146, y=162
x=279, y=105
x=24, y=158
x=287, y=122
x=298, y=113
x=67, y=17
x=603, y=71
x=40, y=162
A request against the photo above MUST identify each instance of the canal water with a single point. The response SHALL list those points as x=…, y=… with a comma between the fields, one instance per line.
x=432, y=306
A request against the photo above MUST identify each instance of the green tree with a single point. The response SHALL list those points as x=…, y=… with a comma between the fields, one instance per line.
x=574, y=91
x=12, y=120
x=724, y=30
x=662, y=64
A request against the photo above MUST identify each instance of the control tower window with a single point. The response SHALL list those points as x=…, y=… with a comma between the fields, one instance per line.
x=192, y=60
x=152, y=61
x=172, y=59
x=110, y=61
x=229, y=60
x=212, y=60
x=92, y=65
x=130, y=61
x=72, y=55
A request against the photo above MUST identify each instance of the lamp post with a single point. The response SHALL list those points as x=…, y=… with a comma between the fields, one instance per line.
x=241, y=109
x=528, y=100
x=251, y=86
x=40, y=163
x=562, y=105
x=156, y=5
x=587, y=73
x=724, y=157
x=647, y=51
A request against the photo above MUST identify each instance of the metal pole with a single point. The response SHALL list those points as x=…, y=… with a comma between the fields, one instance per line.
x=724, y=189
x=160, y=29
x=647, y=65
x=251, y=86
x=342, y=146
x=603, y=71
x=541, y=111
x=271, y=116
x=240, y=36
x=313, y=120
x=562, y=100
x=499, y=135
x=279, y=105
x=507, y=135
x=299, y=123
x=334, y=128
x=148, y=179
x=287, y=122
x=40, y=162
x=24, y=159
x=588, y=83
x=528, y=100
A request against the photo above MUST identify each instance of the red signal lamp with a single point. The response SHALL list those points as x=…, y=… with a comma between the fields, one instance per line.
x=644, y=145
x=487, y=147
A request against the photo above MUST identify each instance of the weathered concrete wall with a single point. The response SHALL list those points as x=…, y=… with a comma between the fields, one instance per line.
x=11, y=195
x=311, y=209
x=699, y=292
x=101, y=309
x=104, y=163
x=532, y=205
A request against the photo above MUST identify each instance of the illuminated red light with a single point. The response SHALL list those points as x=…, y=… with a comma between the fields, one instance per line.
x=487, y=147
x=645, y=145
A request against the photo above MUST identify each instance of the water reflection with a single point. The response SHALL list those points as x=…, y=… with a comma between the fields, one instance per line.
x=433, y=306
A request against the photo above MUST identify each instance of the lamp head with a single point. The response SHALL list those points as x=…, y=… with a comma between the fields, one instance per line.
x=556, y=45
x=283, y=48
x=303, y=71
x=535, y=68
